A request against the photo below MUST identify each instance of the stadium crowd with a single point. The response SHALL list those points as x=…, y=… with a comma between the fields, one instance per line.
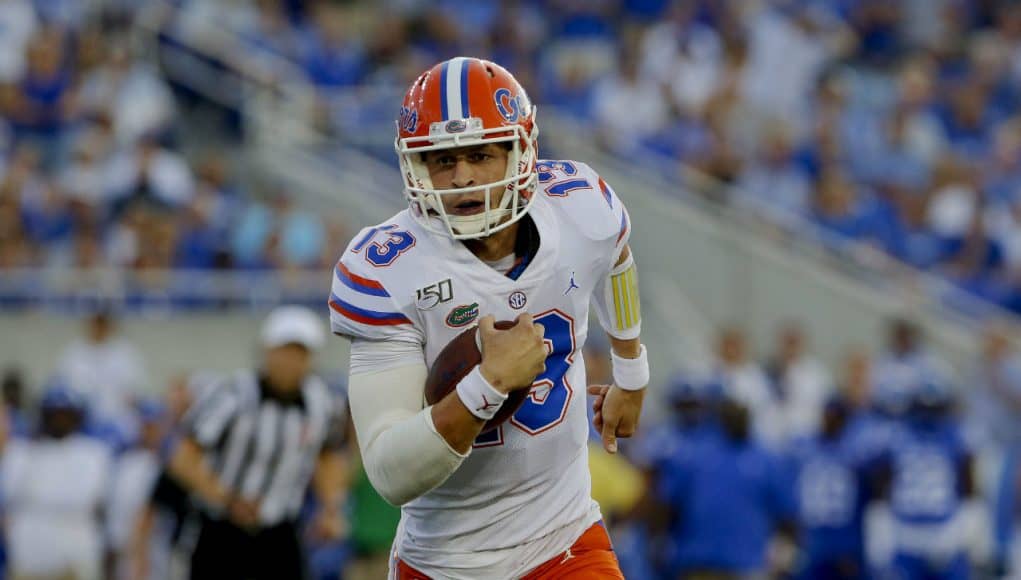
x=891, y=124
x=93, y=171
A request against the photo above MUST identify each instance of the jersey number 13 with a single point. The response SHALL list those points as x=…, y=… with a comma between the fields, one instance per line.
x=546, y=405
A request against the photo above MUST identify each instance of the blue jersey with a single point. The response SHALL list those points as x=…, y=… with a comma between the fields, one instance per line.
x=925, y=465
x=870, y=434
x=728, y=499
x=831, y=497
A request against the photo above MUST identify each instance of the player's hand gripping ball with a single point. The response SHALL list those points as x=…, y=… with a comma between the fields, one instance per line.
x=455, y=361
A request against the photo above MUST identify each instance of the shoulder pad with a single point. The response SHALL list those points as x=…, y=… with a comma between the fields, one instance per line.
x=584, y=199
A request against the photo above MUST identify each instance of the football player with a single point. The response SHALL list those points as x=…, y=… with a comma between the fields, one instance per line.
x=491, y=233
x=927, y=475
x=728, y=501
x=831, y=488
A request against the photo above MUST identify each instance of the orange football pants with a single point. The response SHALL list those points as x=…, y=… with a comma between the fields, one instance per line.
x=591, y=556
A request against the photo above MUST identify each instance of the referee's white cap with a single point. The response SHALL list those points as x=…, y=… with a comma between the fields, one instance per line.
x=292, y=325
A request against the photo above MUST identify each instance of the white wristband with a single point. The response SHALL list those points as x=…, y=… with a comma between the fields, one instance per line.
x=631, y=374
x=481, y=399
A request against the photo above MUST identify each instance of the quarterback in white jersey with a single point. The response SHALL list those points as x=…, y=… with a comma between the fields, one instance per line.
x=491, y=233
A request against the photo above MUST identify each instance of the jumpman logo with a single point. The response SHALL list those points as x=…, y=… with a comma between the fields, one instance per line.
x=486, y=405
x=572, y=286
x=567, y=556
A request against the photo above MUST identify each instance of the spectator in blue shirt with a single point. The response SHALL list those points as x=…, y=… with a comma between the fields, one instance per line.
x=974, y=260
x=967, y=119
x=41, y=103
x=774, y=180
x=580, y=19
x=330, y=58
x=271, y=32
x=197, y=244
x=899, y=165
x=842, y=209
x=46, y=214
x=877, y=24
x=1000, y=176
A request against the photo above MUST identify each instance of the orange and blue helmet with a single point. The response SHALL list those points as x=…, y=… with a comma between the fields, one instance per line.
x=463, y=102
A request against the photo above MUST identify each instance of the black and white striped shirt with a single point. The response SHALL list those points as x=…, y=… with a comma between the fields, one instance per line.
x=261, y=445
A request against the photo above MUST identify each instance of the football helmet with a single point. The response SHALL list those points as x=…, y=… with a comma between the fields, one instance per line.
x=458, y=103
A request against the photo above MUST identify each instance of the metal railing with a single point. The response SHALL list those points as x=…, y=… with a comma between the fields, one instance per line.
x=76, y=290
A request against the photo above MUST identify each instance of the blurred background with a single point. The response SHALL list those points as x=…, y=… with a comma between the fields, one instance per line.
x=827, y=206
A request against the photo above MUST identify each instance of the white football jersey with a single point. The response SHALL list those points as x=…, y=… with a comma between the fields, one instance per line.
x=529, y=478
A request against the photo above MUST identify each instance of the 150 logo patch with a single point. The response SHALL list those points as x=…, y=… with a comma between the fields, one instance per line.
x=432, y=295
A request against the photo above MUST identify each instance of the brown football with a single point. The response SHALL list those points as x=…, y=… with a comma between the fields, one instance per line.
x=455, y=361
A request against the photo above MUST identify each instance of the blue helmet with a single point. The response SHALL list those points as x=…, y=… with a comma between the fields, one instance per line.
x=681, y=389
x=685, y=388
x=62, y=410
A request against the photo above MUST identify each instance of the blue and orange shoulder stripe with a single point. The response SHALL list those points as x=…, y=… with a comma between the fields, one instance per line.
x=614, y=204
x=625, y=226
x=363, y=300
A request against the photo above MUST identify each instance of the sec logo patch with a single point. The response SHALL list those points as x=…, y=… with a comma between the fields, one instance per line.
x=517, y=300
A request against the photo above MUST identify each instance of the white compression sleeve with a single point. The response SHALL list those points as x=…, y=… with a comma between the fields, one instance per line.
x=403, y=454
x=368, y=356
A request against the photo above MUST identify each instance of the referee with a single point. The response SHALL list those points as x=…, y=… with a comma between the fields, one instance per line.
x=251, y=447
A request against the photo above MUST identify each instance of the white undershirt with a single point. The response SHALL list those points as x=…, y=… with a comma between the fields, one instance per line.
x=503, y=265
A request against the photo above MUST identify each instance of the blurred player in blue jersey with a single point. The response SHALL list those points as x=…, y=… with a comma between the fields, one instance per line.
x=727, y=496
x=692, y=403
x=927, y=477
x=831, y=493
